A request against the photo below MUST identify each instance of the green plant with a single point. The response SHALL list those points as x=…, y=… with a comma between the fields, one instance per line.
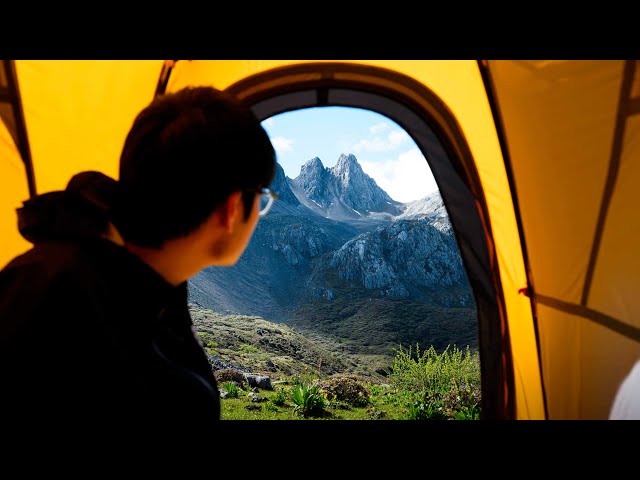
x=431, y=371
x=279, y=398
x=207, y=340
x=467, y=413
x=378, y=390
x=233, y=391
x=246, y=348
x=462, y=402
x=426, y=411
x=346, y=388
x=308, y=400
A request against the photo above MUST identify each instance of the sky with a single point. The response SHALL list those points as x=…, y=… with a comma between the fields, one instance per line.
x=383, y=149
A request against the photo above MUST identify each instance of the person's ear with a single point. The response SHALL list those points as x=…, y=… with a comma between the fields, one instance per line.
x=230, y=209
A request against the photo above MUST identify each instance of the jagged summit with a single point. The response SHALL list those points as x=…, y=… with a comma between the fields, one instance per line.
x=347, y=162
x=311, y=167
x=343, y=191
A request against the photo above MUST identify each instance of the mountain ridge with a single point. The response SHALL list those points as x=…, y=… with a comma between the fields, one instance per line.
x=305, y=258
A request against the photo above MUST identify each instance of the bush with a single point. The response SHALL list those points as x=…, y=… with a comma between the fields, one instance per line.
x=250, y=349
x=417, y=372
x=346, y=388
x=279, y=398
x=444, y=386
x=462, y=402
x=207, y=340
x=230, y=375
x=308, y=400
x=233, y=391
x=425, y=411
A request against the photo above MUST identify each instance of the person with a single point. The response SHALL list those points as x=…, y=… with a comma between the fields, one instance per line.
x=626, y=404
x=95, y=332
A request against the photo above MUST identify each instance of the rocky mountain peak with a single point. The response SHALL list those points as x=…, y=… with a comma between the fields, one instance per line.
x=349, y=173
x=280, y=185
x=315, y=181
x=347, y=162
x=313, y=165
x=344, y=190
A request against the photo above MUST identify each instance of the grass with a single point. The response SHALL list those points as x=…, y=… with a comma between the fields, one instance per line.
x=383, y=406
x=421, y=386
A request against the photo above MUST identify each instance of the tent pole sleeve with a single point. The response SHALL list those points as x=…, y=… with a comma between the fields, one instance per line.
x=528, y=290
x=20, y=134
x=163, y=81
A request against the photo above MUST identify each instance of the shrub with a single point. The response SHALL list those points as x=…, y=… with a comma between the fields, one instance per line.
x=207, y=340
x=279, y=398
x=230, y=375
x=308, y=400
x=246, y=348
x=467, y=413
x=346, y=388
x=233, y=391
x=425, y=411
x=417, y=372
x=462, y=402
x=444, y=386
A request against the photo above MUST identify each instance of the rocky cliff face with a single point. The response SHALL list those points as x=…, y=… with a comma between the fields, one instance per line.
x=401, y=259
x=430, y=208
x=300, y=241
x=335, y=236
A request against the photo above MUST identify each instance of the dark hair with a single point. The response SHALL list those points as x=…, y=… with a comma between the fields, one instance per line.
x=184, y=155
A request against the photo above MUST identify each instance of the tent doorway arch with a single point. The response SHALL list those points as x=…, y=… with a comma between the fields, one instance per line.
x=437, y=134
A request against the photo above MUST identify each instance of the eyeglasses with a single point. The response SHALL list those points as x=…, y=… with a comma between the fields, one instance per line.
x=266, y=200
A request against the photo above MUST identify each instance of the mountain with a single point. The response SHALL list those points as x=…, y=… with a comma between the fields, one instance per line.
x=266, y=279
x=341, y=260
x=400, y=258
x=409, y=259
x=343, y=192
x=430, y=208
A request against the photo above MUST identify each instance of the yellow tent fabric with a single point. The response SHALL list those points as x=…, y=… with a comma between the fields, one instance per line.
x=541, y=136
x=571, y=129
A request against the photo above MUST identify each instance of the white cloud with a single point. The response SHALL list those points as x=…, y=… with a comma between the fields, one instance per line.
x=378, y=127
x=282, y=145
x=394, y=140
x=268, y=122
x=405, y=178
x=398, y=137
x=375, y=145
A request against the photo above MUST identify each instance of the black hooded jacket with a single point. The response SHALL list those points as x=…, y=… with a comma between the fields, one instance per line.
x=92, y=339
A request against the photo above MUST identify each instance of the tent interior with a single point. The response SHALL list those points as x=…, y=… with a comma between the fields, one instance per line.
x=533, y=159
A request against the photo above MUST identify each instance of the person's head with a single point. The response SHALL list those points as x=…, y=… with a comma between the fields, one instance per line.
x=185, y=156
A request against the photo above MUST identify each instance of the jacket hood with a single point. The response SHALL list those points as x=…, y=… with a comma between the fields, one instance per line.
x=79, y=211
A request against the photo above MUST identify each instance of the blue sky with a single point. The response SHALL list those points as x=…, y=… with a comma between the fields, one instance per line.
x=384, y=150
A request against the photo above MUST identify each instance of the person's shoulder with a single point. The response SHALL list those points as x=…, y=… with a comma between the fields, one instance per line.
x=44, y=258
x=42, y=266
x=48, y=275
